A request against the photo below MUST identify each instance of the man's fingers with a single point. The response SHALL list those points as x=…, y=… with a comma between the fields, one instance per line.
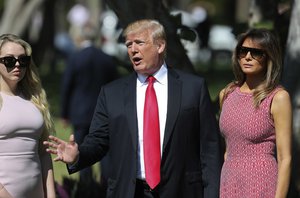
x=50, y=144
x=51, y=151
x=72, y=139
x=55, y=139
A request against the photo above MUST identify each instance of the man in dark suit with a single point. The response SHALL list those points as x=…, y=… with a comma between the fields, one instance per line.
x=88, y=68
x=190, y=160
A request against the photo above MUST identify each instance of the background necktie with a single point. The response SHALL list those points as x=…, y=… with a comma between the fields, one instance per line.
x=151, y=136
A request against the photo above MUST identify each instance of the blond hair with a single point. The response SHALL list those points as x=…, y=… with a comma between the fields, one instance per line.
x=30, y=86
x=154, y=27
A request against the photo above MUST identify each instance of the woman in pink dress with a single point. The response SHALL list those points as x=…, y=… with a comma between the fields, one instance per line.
x=256, y=121
x=25, y=166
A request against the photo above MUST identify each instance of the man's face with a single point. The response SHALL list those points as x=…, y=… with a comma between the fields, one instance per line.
x=144, y=53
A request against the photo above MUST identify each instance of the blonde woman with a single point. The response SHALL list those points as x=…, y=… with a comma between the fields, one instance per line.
x=256, y=121
x=25, y=168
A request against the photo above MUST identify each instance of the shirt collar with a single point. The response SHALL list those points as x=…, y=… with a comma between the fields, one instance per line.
x=160, y=76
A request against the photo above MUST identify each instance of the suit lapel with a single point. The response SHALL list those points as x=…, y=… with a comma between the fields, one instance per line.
x=130, y=107
x=174, y=101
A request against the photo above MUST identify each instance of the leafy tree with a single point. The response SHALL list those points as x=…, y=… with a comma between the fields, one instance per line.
x=292, y=82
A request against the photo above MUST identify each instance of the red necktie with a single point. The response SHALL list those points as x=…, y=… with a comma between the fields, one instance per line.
x=151, y=136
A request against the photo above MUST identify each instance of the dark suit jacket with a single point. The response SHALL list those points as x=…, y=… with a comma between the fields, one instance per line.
x=87, y=70
x=190, y=165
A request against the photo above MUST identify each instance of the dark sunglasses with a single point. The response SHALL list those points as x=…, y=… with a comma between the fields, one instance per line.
x=257, y=54
x=10, y=61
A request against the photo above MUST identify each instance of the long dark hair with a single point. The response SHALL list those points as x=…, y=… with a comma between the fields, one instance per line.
x=269, y=42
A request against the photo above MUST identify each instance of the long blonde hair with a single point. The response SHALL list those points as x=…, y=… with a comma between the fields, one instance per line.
x=30, y=86
x=270, y=44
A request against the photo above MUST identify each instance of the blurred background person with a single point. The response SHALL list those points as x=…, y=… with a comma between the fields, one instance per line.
x=25, y=168
x=78, y=16
x=87, y=69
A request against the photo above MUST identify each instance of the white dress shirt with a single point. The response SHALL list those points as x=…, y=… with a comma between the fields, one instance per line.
x=161, y=90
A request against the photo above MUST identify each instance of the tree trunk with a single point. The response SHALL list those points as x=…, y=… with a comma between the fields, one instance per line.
x=292, y=61
x=292, y=84
x=17, y=15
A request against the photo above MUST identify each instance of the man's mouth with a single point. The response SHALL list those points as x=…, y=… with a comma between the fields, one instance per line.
x=136, y=60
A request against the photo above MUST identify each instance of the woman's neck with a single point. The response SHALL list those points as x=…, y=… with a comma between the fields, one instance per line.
x=252, y=82
x=9, y=89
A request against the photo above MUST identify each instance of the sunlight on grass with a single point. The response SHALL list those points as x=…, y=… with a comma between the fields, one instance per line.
x=60, y=169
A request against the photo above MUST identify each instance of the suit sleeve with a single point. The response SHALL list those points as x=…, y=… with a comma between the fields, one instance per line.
x=209, y=146
x=95, y=144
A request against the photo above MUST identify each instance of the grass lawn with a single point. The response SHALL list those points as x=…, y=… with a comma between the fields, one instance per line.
x=60, y=170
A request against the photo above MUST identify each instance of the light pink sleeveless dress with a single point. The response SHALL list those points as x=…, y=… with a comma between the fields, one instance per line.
x=250, y=169
x=20, y=130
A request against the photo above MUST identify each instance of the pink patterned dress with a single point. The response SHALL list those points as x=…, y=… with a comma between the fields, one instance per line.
x=250, y=169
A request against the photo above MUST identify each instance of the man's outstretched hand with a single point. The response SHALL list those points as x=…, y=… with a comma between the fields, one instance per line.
x=66, y=152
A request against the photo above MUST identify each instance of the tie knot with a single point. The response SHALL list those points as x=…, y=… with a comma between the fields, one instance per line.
x=151, y=79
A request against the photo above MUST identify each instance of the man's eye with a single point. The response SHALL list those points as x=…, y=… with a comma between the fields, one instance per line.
x=140, y=43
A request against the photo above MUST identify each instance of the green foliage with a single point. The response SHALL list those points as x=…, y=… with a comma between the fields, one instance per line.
x=184, y=32
x=264, y=24
x=187, y=33
x=60, y=170
x=1, y=7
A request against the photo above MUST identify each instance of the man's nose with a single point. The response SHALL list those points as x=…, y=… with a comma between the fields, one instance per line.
x=133, y=47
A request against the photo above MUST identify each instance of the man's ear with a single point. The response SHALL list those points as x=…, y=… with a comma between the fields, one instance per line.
x=161, y=46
